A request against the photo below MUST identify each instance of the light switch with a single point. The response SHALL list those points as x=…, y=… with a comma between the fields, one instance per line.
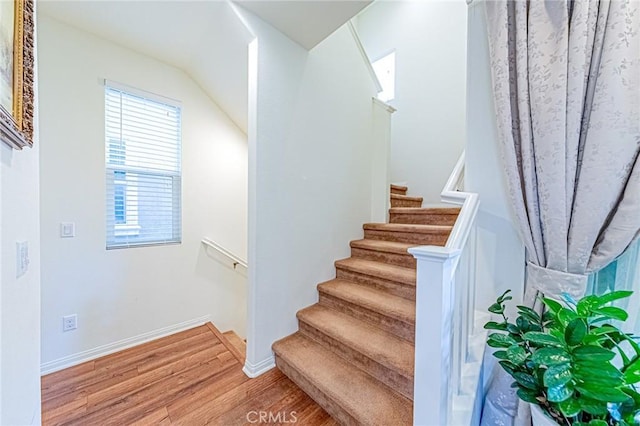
x=67, y=230
x=22, y=258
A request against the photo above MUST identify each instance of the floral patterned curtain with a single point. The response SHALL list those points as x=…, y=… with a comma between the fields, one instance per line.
x=566, y=80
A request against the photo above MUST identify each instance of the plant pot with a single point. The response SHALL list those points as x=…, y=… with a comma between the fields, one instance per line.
x=539, y=417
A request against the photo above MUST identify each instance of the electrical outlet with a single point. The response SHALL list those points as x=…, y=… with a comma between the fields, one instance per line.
x=69, y=322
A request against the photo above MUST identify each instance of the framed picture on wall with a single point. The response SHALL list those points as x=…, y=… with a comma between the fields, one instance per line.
x=16, y=72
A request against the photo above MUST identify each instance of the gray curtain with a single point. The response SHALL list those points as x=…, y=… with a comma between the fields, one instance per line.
x=566, y=80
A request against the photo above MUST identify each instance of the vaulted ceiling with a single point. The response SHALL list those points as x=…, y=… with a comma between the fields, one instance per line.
x=203, y=38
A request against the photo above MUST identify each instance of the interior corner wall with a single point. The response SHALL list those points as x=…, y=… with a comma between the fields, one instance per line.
x=501, y=254
x=310, y=184
x=20, y=296
x=121, y=295
x=428, y=128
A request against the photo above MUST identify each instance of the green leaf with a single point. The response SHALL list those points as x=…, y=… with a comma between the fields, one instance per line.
x=575, y=332
x=497, y=340
x=513, y=329
x=492, y=325
x=528, y=313
x=614, y=295
x=592, y=353
x=508, y=367
x=570, y=407
x=524, y=324
x=632, y=372
x=586, y=304
x=542, y=339
x=516, y=354
x=528, y=395
x=496, y=308
x=591, y=406
x=633, y=394
x=557, y=375
x=553, y=305
x=604, y=372
x=565, y=316
x=598, y=422
x=559, y=393
x=604, y=329
x=526, y=380
x=500, y=354
x=612, y=312
x=504, y=296
x=590, y=339
x=601, y=393
x=550, y=356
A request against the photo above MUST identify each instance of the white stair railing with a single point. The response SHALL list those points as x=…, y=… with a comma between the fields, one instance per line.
x=445, y=311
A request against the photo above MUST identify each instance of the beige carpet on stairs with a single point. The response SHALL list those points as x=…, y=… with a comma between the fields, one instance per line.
x=353, y=352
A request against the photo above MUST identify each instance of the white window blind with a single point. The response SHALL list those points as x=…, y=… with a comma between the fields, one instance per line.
x=143, y=168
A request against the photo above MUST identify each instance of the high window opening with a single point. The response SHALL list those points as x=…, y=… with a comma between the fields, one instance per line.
x=385, y=69
x=143, y=137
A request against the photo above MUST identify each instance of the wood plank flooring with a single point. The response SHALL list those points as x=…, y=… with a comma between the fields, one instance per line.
x=190, y=378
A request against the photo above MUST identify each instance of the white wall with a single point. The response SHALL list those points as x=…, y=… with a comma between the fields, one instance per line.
x=428, y=130
x=310, y=174
x=19, y=297
x=121, y=294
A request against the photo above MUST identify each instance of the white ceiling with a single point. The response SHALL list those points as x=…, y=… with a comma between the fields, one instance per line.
x=307, y=22
x=204, y=38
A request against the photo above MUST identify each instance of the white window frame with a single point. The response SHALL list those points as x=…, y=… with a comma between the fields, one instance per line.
x=131, y=226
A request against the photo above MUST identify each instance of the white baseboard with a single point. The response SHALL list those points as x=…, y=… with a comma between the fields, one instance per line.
x=88, y=355
x=254, y=370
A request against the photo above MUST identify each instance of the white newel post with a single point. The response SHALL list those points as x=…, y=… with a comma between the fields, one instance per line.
x=435, y=298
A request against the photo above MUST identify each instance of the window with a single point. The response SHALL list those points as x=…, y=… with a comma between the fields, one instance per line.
x=143, y=168
x=385, y=69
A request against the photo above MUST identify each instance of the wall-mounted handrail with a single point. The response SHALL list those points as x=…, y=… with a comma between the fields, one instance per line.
x=235, y=259
x=365, y=57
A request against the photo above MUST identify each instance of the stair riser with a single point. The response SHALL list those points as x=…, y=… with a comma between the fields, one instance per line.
x=423, y=219
x=436, y=239
x=399, y=328
x=405, y=260
x=391, y=378
x=330, y=406
x=399, y=191
x=392, y=287
x=405, y=203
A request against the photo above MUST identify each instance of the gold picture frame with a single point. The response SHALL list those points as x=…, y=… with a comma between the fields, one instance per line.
x=17, y=74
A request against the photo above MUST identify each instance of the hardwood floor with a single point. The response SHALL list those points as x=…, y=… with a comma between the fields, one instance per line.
x=191, y=378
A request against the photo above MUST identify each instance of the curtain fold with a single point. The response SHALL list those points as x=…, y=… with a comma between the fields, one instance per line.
x=566, y=82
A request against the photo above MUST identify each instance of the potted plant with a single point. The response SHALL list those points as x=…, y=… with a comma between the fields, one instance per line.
x=571, y=362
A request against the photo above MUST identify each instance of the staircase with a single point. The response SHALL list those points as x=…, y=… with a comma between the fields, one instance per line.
x=353, y=352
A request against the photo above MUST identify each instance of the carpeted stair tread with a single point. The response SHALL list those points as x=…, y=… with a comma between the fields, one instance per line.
x=406, y=198
x=386, y=349
x=426, y=210
x=385, y=271
x=398, y=189
x=372, y=299
x=352, y=395
x=409, y=228
x=384, y=246
x=379, y=250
